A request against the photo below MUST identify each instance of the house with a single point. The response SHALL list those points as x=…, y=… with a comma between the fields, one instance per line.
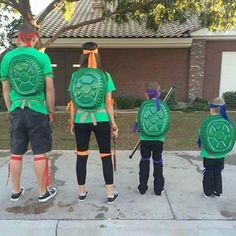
x=197, y=62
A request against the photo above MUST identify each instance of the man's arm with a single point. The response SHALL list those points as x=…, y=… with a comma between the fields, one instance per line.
x=6, y=90
x=50, y=97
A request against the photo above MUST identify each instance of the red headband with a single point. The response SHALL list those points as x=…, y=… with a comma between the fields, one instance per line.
x=26, y=38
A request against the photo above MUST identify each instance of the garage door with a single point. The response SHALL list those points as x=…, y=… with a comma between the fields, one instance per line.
x=228, y=72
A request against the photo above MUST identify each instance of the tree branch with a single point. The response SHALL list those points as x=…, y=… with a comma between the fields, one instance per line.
x=48, y=9
x=9, y=3
x=4, y=2
x=70, y=27
x=23, y=8
x=26, y=8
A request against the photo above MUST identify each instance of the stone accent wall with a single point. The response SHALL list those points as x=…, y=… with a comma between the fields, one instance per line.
x=196, y=69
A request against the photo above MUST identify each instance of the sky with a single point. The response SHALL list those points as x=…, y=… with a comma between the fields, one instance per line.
x=38, y=5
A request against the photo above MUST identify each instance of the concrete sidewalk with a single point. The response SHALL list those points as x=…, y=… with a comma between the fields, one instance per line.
x=181, y=210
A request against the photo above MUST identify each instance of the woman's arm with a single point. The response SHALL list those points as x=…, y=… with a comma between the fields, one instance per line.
x=110, y=111
x=72, y=118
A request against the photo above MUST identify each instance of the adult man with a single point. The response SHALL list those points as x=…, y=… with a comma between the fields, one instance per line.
x=28, y=90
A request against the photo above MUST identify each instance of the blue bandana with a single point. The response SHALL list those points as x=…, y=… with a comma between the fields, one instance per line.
x=222, y=110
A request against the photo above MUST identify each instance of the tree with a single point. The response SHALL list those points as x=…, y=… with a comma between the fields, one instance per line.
x=212, y=14
x=8, y=27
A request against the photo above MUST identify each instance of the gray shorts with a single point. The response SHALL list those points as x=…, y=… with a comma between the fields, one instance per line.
x=28, y=126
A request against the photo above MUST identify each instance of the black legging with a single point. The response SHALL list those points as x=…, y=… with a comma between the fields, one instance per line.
x=212, y=180
x=102, y=133
x=154, y=149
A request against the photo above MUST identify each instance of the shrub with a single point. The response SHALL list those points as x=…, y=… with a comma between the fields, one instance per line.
x=230, y=99
x=129, y=102
x=125, y=102
x=199, y=104
x=172, y=103
x=138, y=102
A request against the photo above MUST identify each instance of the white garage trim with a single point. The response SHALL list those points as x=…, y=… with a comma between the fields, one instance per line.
x=228, y=72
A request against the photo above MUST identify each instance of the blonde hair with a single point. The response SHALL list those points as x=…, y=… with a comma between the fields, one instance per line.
x=153, y=85
x=217, y=102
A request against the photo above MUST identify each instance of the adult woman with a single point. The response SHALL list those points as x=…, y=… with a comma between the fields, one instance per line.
x=92, y=110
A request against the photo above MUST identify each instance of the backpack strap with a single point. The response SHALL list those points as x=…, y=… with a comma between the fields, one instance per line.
x=91, y=114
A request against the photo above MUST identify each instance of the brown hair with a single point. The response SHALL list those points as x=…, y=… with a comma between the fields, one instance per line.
x=84, y=57
x=26, y=28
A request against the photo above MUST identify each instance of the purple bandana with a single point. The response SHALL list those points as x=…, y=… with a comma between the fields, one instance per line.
x=153, y=93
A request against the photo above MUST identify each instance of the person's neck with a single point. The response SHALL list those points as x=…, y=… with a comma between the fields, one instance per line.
x=23, y=45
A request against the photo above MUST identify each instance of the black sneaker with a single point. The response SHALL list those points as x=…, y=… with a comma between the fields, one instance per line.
x=50, y=193
x=111, y=200
x=158, y=193
x=82, y=197
x=15, y=196
x=216, y=194
x=142, y=190
x=205, y=195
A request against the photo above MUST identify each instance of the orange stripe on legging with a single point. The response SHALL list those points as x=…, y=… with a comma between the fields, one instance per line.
x=82, y=153
x=104, y=154
x=46, y=173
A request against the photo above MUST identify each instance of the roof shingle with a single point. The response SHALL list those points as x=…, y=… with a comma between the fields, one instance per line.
x=108, y=28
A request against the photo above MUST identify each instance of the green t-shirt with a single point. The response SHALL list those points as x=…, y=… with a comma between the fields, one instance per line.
x=205, y=154
x=148, y=138
x=100, y=115
x=145, y=138
x=35, y=102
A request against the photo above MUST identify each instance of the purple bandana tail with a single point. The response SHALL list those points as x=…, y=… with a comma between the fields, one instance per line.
x=153, y=93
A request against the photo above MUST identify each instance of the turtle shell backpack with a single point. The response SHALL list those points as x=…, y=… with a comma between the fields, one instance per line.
x=26, y=75
x=88, y=89
x=151, y=122
x=217, y=135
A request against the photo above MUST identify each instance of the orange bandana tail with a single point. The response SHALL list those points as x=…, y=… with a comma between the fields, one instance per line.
x=92, y=62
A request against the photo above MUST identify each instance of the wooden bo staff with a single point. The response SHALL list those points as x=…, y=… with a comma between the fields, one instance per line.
x=171, y=90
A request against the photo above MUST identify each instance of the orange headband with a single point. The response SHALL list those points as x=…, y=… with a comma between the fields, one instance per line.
x=92, y=62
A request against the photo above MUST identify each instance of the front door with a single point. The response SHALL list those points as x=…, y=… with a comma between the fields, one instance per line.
x=58, y=61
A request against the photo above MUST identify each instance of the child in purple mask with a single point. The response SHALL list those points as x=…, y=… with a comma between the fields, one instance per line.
x=152, y=129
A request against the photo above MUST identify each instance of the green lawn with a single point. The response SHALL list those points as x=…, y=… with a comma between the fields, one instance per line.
x=182, y=134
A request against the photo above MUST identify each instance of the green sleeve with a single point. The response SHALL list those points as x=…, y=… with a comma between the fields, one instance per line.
x=110, y=84
x=47, y=69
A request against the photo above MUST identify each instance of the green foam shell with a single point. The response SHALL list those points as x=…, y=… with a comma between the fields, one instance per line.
x=153, y=123
x=26, y=75
x=217, y=135
x=88, y=88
